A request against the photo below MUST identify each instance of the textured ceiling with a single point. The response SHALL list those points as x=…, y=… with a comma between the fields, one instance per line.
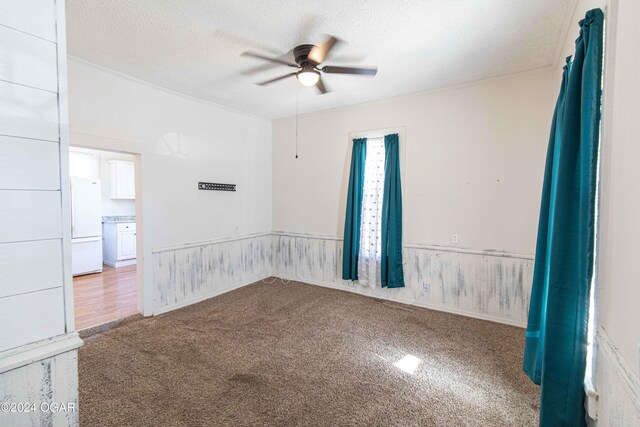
x=194, y=46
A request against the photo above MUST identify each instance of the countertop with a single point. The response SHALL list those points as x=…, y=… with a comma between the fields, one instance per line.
x=118, y=219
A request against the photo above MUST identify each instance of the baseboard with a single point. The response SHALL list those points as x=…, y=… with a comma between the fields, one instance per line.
x=117, y=264
x=30, y=353
x=203, y=297
x=435, y=307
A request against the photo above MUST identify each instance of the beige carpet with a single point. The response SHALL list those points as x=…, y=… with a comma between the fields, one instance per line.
x=297, y=354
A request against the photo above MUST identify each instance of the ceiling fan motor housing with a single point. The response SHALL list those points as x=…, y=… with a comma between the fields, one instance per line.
x=301, y=54
x=307, y=59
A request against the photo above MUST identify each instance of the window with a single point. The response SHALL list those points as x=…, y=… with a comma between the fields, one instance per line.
x=374, y=180
x=371, y=222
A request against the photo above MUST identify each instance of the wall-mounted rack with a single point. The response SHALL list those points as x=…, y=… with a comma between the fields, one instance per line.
x=216, y=186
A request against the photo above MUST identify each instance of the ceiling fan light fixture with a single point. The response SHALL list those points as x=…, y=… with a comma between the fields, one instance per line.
x=308, y=77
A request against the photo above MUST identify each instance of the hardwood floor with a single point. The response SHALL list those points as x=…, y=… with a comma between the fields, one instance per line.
x=102, y=297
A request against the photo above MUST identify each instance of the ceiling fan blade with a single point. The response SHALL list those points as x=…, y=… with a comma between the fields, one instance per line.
x=320, y=51
x=350, y=70
x=320, y=86
x=259, y=69
x=268, y=58
x=266, y=66
x=266, y=82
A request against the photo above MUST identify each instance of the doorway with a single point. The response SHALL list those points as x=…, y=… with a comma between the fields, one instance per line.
x=103, y=231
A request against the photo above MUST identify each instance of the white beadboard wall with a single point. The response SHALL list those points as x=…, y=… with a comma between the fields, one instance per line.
x=190, y=273
x=38, y=356
x=31, y=190
x=483, y=284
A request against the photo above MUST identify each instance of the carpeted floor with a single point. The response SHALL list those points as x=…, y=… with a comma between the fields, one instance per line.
x=297, y=354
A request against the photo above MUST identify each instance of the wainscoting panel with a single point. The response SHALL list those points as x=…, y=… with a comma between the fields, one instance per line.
x=484, y=284
x=187, y=274
x=617, y=385
x=495, y=287
x=308, y=259
x=46, y=382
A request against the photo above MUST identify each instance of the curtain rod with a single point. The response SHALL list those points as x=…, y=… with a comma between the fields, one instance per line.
x=390, y=129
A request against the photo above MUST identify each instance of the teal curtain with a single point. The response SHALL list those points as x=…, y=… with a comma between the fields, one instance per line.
x=556, y=339
x=351, y=242
x=534, y=348
x=391, y=272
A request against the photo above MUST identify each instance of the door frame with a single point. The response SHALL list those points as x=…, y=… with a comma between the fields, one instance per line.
x=144, y=272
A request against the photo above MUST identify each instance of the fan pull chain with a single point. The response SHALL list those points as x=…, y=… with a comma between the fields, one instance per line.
x=296, y=119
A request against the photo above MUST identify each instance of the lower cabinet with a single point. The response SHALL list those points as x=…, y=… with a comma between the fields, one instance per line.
x=119, y=243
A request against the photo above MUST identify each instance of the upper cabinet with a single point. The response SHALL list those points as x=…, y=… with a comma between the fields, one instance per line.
x=123, y=181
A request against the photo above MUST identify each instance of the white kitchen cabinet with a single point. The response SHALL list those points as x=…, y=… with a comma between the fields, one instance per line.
x=126, y=244
x=119, y=243
x=123, y=179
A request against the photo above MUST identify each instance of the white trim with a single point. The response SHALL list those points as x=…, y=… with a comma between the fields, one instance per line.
x=591, y=403
x=405, y=301
x=207, y=242
x=621, y=367
x=307, y=236
x=164, y=89
x=484, y=252
x=63, y=149
x=31, y=353
x=203, y=297
x=118, y=264
x=144, y=271
x=372, y=133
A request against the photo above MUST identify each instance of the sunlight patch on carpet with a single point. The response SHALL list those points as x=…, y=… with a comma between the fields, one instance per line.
x=409, y=363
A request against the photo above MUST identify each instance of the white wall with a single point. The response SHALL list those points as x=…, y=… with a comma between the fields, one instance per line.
x=472, y=160
x=183, y=141
x=37, y=341
x=618, y=336
x=474, y=163
x=177, y=141
x=620, y=207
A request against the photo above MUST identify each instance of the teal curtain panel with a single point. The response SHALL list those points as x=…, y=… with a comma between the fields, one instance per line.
x=534, y=348
x=351, y=242
x=556, y=338
x=391, y=272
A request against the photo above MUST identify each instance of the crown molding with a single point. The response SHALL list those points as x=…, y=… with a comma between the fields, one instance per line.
x=164, y=89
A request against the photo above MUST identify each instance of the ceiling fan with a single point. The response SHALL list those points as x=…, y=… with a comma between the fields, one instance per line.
x=308, y=57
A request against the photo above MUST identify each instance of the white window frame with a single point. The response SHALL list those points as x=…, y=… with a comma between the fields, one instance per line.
x=402, y=140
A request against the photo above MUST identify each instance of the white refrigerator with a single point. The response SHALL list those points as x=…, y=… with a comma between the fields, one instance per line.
x=86, y=226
